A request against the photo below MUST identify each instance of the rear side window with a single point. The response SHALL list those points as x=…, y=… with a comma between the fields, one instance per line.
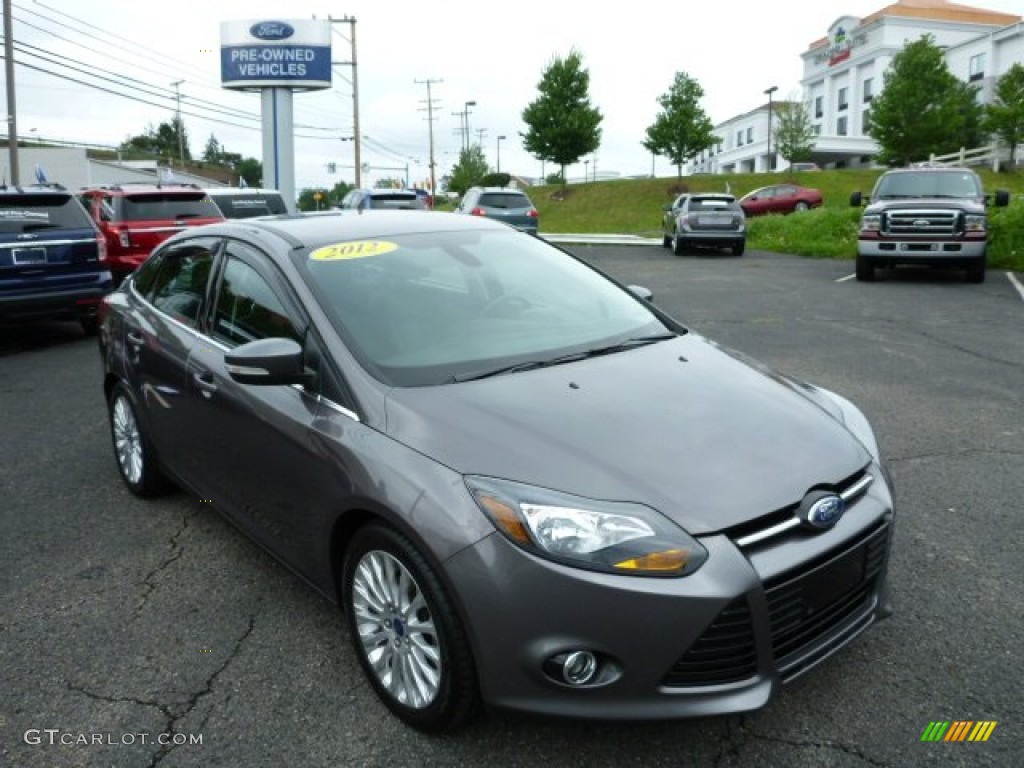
x=171, y=207
x=36, y=213
x=180, y=281
x=504, y=200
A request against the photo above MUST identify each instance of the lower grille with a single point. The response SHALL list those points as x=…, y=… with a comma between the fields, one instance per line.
x=724, y=653
x=823, y=597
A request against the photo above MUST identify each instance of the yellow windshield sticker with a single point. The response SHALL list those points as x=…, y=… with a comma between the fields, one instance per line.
x=358, y=249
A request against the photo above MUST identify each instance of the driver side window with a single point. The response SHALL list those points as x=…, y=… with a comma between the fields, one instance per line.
x=247, y=308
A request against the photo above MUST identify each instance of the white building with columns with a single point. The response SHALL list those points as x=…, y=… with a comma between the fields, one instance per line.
x=843, y=71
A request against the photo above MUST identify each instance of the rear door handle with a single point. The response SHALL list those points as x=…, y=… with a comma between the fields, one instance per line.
x=135, y=339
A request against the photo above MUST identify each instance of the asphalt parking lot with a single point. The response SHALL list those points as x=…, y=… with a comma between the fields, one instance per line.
x=122, y=620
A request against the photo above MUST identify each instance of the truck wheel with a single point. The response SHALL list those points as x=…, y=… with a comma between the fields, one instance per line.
x=865, y=270
x=976, y=271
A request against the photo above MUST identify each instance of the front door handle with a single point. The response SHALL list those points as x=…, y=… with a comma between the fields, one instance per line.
x=205, y=383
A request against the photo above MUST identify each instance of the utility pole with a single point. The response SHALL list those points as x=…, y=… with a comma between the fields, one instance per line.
x=356, y=141
x=769, y=92
x=177, y=121
x=480, y=133
x=12, y=102
x=430, y=125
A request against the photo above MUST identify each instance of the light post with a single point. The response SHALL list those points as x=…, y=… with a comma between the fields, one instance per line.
x=586, y=170
x=770, y=91
x=465, y=117
x=181, y=139
x=500, y=139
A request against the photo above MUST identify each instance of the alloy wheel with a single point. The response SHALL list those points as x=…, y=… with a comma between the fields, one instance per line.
x=127, y=440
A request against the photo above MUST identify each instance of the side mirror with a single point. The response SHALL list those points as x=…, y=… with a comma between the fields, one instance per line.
x=640, y=292
x=1002, y=198
x=855, y=199
x=267, y=362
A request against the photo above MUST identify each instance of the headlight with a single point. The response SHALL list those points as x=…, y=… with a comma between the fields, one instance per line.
x=974, y=223
x=615, y=537
x=871, y=223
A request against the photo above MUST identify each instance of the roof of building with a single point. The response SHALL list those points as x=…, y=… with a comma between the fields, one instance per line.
x=938, y=10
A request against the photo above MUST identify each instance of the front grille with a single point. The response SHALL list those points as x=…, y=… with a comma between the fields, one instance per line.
x=922, y=223
x=724, y=653
x=822, y=597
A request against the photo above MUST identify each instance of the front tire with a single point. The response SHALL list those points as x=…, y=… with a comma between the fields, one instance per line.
x=976, y=271
x=405, y=632
x=136, y=459
x=865, y=270
x=801, y=206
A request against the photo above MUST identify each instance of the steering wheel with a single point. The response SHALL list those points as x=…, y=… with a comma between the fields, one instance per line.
x=510, y=299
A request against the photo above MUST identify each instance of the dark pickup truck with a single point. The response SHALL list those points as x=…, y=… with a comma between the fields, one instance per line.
x=929, y=216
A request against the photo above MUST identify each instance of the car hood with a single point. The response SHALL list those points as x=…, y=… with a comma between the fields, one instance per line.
x=965, y=204
x=681, y=426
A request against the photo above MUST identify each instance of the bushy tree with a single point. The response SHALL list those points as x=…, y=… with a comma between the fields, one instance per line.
x=682, y=129
x=251, y=170
x=308, y=200
x=472, y=167
x=794, y=134
x=923, y=109
x=562, y=125
x=162, y=140
x=1004, y=117
x=214, y=150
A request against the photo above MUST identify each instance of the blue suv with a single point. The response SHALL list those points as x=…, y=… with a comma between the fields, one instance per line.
x=53, y=259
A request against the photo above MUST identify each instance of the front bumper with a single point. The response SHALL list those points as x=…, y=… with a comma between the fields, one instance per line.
x=720, y=641
x=922, y=251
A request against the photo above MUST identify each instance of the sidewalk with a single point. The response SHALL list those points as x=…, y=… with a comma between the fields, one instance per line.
x=568, y=239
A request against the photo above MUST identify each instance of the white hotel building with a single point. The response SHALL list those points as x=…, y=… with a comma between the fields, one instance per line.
x=843, y=72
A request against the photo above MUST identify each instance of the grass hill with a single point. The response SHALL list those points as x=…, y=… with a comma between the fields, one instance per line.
x=634, y=206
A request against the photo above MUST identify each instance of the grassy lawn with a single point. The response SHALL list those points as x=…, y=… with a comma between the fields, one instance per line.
x=633, y=206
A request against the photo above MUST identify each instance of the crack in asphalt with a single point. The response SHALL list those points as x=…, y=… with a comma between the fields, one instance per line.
x=174, y=719
x=176, y=551
x=119, y=699
x=730, y=747
x=953, y=454
x=826, y=744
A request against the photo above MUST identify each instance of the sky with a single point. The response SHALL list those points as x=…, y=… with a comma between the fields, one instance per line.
x=492, y=54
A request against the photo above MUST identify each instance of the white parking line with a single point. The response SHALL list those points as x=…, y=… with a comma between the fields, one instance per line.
x=1016, y=284
x=844, y=279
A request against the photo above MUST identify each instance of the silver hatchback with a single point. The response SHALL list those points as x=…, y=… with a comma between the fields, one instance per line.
x=510, y=206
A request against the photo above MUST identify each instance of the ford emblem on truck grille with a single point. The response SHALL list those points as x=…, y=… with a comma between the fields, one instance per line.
x=820, y=510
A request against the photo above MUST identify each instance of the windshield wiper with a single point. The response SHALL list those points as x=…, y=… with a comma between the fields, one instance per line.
x=572, y=357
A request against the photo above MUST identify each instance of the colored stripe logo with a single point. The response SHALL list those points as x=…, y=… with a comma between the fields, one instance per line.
x=959, y=730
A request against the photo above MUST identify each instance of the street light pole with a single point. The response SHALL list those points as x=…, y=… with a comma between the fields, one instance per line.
x=465, y=117
x=770, y=91
x=181, y=139
x=500, y=139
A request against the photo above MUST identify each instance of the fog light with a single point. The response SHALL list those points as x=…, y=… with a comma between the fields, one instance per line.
x=579, y=668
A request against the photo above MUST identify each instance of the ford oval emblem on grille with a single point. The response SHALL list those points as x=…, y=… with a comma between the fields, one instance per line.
x=820, y=510
x=921, y=222
x=272, y=30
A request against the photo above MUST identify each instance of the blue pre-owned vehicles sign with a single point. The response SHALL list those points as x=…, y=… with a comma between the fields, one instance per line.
x=271, y=53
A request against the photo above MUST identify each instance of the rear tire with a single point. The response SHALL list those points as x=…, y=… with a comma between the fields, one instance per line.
x=678, y=247
x=801, y=206
x=90, y=324
x=738, y=248
x=136, y=459
x=405, y=632
x=666, y=241
x=865, y=270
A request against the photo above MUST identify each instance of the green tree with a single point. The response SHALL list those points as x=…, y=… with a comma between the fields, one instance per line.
x=214, y=150
x=251, y=170
x=162, y=140
x=1004, y=117
x=794, y=134
x=313, y=199
x=562, y=125
x=923, y=109
x=472, y=167
x=682, y=129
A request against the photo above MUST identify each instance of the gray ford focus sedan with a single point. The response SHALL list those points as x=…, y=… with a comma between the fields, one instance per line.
x=527, y=486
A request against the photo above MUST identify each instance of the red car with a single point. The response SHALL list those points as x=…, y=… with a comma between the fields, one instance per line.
x=780, y=198
x=135, y=218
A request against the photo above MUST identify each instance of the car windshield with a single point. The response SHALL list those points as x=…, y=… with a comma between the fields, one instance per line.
x=32, y=213
x=439, y=307
x=504, y=200
x=928, y=184
x=712, y=204
x=160, y=205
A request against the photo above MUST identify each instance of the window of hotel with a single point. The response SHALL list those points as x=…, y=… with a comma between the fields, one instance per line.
x=841, y=126
x=865, y=121
x=750, y=134
x=819, y=106
x=843, y=101
x=868, y=93
x=816, y=129
x=977, y=66
x=739, y=138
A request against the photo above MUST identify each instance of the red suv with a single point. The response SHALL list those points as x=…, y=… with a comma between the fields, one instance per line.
x=136, y=217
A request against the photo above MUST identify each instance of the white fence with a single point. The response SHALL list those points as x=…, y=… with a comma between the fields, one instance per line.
x=990, y=154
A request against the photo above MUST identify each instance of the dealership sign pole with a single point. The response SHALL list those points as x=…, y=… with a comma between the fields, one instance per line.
x=277, y=58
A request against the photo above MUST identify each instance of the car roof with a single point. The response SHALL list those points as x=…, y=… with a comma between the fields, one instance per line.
x=144, y=187
x=931, y=169
x=511, y=190
x=228, y=191
x=348, y=225
x=34, y=189
x=713, y=196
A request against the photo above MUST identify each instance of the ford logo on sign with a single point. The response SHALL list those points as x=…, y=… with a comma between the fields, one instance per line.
x=820, y=510
x=272, y=30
